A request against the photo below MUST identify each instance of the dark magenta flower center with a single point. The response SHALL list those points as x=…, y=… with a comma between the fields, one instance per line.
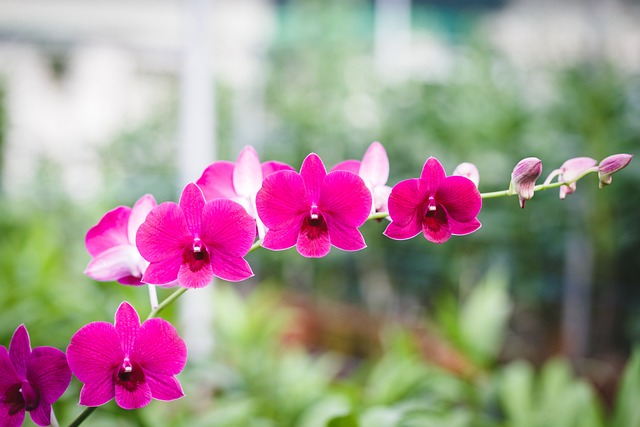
x=435, y=217
x=21, y=397
x=129, y=375
x=196, y=255
x=314, y=224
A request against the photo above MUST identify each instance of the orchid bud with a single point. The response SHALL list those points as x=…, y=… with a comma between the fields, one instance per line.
x=572, y=169
x=523, y=178
x=610, y=165
x=468, y=170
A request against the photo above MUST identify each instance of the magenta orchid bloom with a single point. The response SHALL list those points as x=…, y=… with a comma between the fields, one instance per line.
x=239, y=181
x=438, y=205
x=313, y=209
x=112, y=244
x=195, y=240
x=131, y=362
x=374, y=171
x=30, y=380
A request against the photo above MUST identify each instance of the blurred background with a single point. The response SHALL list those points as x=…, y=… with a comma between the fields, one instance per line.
x=531, y=321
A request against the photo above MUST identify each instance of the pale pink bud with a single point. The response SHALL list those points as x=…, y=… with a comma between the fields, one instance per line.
x=572, y=169
x=610, y=165
x=468, y=170
x=524, y=176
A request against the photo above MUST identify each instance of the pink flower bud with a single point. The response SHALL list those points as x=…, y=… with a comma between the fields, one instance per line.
x=610, y=165
x=524, y=176
x=571, y=170
x=468, y=170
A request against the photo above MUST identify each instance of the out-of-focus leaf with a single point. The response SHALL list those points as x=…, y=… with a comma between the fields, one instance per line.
x=326, y=409
x=627, y=407
x=516, y=393
x=484, y=316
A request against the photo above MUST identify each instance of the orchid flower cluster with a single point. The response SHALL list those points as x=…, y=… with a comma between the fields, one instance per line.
x=231, y=210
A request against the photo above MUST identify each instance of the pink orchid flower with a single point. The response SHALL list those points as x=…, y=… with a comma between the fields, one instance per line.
x=195, y=240
x=30, y=380
x=313, y=209
x=374, y=171
x=112, y=244
x=438, y=205
x=126, y=360
x=239, y=181
x=610, y=165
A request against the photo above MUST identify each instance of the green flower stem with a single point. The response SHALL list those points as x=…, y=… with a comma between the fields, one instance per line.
x=83, y=416
x=166, y=302
x=541, y=187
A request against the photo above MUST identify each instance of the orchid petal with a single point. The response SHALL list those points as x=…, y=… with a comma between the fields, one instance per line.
x=348, y=165
x=9, y=419
x=164, y=233
x=272, y=166
x=94, y=352
x=159, y=348
x=19, y=350
x=110, y=231
x=216, y=181
x=163, y=272
x=48, y=371
x=572, y=168
x=99, y=392
x=343, y=236
x=133, y=399
x=127, y=323
x=460, y=197
x=435, y=228
x=231, y=268
x=139, y=213
x=432, y=174
x=41, y=415
x=247, y=173
x=396, y=232
x=194, y=279
x=192, y=201
x=8, y=374
x=282, y=200
x=375, y=165
x=285, y=238
x=406, y=203
x=115, y=263
x=463, y=228
x=313, y=242
x=227, y=227
x=381, y=198
x=313, y=172
x=344, y=196
x=163, y=387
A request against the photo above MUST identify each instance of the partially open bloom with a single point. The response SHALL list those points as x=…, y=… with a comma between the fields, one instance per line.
x=30, y=380
x=194, y=241
x=610, y=165
x=112, y=244
x=523, y=178
x=126, y=360
x=239, y=181
x=468, y=170
x=569, y=171
x=374, y=171
x=438, y=205
x=313, y=209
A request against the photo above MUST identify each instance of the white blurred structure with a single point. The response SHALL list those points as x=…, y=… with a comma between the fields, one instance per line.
x=77, y=73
